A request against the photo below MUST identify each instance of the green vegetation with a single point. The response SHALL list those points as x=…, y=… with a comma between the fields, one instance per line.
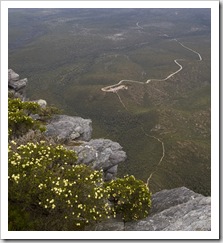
x=48, y=190
x=19, y=120
x=131, y=198
x=54, y=192
x=69, y=55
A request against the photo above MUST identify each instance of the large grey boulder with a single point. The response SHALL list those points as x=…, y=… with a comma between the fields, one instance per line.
x=101, y=154
x=168, y=198
x=178, y=209
x=67, y=128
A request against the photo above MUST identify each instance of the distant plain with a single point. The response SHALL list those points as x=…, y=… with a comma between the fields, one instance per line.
x=68, y=55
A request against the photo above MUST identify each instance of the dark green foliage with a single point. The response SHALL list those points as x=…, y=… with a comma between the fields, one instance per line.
x=19, y=218
x=19, y=120
x=131, y=198
x=49, y=191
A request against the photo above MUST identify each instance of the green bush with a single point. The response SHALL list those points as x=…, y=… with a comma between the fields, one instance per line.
x=51, y=190
x=131, y=198
x=19, y=120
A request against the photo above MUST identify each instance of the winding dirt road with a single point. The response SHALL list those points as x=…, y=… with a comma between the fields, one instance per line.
x=121, y=86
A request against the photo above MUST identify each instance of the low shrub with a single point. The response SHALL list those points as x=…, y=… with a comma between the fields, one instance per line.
x=131, y=198
x=19, y=119
x=51, y=190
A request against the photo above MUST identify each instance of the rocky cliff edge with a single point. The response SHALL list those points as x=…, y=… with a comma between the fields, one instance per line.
x=178, y=209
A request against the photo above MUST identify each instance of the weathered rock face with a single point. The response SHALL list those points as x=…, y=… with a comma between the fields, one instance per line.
x=101, y=154
x=168, y=198
x=67, y=128
x=178, y=209
x=98, y=153
x=16, y=86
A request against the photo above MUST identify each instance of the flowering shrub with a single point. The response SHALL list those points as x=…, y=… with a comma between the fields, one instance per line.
x=131, y=198
x=48, y=190
x=19, y=120
x=57, y=193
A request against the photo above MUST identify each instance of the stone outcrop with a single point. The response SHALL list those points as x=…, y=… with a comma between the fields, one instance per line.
x=16, y=86
x=178, y=209
x=75, y=132
x=68, y=128
x=101, y=154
